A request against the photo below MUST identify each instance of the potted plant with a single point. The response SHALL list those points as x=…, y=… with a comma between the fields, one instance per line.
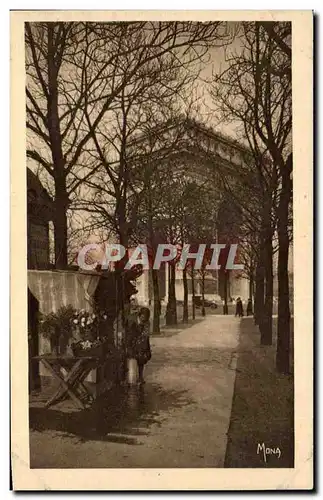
x=56, y=327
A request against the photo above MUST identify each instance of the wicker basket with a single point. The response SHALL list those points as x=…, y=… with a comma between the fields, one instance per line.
x=98, y=351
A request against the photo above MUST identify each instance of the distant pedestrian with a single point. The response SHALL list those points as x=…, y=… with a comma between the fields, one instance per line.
x=239, y=308
x=249, y=307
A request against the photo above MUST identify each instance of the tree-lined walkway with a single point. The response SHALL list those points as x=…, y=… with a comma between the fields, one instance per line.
x=178, y=419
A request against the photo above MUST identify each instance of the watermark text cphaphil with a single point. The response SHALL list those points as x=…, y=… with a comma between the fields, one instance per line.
x=205, y=256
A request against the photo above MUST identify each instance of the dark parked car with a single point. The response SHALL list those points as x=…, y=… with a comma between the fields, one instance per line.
x=207, y=303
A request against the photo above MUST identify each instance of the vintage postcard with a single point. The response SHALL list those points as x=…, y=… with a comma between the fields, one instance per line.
x=161, y=250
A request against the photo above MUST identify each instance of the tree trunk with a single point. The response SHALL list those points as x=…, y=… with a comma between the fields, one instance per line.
x=203, y=293
x=154, y=272
x=283, y=327
x=185, y=304
x=266, y=325
x=193, y=294
x=61, y=197
x=260, y=291
x=171, y=313
x=225, y=292
x=156, y=313
x=251, y=284
x=60, y=225
x=120, y=289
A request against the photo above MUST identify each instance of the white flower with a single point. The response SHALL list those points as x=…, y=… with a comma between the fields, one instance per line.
x=75, y=321
x=105, y=316
x=93, y=316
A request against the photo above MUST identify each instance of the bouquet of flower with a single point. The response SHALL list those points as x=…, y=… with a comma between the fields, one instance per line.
x=87, y=325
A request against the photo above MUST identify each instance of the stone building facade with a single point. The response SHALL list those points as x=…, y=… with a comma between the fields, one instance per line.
x=39, y=214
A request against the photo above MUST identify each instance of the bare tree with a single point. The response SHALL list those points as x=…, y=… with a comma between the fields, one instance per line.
x=255, y=91
x=155, y=176
x=75, y=72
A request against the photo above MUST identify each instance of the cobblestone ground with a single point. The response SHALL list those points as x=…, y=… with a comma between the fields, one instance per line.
x=179, y=418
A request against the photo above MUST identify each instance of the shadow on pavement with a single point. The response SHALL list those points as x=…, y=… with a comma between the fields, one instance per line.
x=262, y=414
x=121, y=416
x=171, y=330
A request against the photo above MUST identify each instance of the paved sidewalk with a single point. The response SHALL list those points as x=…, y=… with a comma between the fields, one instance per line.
x=180, y=418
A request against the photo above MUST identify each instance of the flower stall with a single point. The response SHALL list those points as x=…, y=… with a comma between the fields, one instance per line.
x=54, y=290
x=80, y=326
x=78, y=349
x=69, y=320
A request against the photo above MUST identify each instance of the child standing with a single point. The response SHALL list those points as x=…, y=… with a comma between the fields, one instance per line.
x=142, y=350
